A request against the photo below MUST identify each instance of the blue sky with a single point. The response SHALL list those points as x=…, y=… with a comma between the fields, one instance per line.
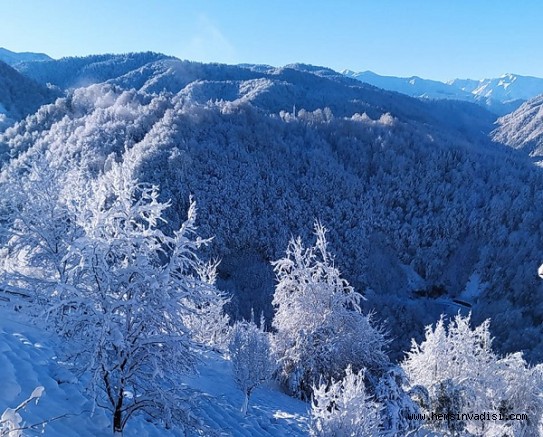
x=436, y=39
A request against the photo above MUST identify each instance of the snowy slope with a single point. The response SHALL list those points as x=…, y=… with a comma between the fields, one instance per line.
x=523, y=129
x=27, y=360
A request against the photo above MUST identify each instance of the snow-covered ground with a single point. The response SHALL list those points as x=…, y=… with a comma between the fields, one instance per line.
x=27, y=360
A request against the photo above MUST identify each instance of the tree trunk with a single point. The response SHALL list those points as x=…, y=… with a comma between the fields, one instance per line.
x=118, y=417
x=245, y=404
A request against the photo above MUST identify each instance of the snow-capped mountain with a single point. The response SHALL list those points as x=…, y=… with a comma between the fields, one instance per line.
x=13, y=58
x=412, y=86
x=501, y=95
x=507, y=88
x=523, y=129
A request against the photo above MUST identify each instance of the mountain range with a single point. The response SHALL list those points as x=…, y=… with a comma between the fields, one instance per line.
x=13, y=58
x=500, y=95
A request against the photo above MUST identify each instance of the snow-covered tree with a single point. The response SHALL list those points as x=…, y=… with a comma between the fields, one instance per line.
x=207, y=320
x=456, y=366
x=320, y=328
x=250, y=354
x=122, y=293
x=344, y=408
x=520, y=391
x=398, y=408
x=38, y=227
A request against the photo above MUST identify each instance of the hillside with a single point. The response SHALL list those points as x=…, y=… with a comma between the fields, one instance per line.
x=74, y=72
x=408, y=188
x=523, y=129
x=20, y=96
x=14, y=58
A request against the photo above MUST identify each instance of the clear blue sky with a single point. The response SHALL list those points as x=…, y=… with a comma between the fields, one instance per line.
x=436, y=39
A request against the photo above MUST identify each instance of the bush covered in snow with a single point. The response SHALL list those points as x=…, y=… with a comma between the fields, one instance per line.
x=343, y=408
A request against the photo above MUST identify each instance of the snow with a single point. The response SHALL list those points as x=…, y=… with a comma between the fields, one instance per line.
x=27, y=362
x=270, y=413
x=473, y=289
x=499, y=95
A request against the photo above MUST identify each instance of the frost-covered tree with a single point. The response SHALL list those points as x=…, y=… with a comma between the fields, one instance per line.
x=207, y=320
x=38, y=227
x=398, y=408
x=520, y=391
x=320, y=328
x=456, y=366
x=344, y=408
x=250, y=354
x=123, y=291
x=125, y=304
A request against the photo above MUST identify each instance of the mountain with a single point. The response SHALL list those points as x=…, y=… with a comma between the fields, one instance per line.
x=523, y=129
x=507, y=88
x=13, y=58
x=501, y=95
x=273, y=89
x=73, y=72
x=412, y=86
x=20, y=96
